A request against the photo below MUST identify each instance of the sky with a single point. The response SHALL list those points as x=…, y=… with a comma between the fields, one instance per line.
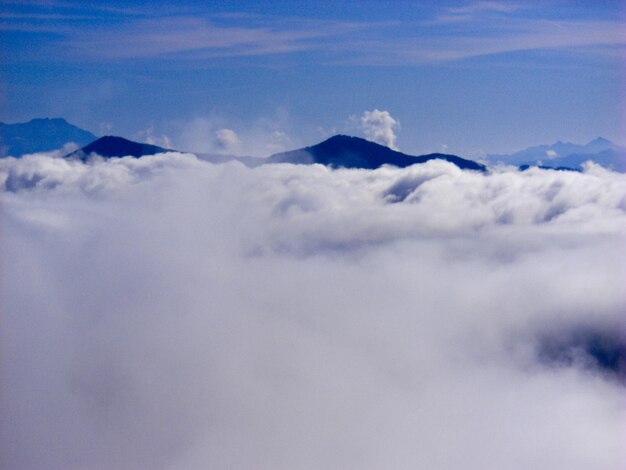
x=170, y=313
x=465, y=77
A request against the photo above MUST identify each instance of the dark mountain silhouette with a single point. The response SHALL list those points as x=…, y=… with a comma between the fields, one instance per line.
x=112, y=146
x=339, y=151
x=544, y=167
x=40, y=135
x=343, y=151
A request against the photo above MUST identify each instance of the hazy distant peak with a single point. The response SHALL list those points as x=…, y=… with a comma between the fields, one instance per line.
x=40, y=135
x=566, y=155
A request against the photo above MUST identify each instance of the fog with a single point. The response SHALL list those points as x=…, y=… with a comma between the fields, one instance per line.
x=168, y=313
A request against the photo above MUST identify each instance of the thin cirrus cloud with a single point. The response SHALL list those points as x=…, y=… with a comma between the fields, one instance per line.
x=443, y=34
x=148, y=38
x=482, y=7
x=471, y=39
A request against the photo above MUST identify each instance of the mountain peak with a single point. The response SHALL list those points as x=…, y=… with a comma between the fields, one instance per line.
x=343, y=138
x=600, y=140
x=343, y=151
x=113, y=146
x=56, y=120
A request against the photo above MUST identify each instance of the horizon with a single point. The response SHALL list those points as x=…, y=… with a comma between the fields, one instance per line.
x=305, y=145
x=244, y=273
x=466, y=78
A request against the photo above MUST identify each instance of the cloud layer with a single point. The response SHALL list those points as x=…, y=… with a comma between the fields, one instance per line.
x=168, y=313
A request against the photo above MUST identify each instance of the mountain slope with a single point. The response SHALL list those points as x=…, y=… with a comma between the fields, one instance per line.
x=112, y=146
x=40, y=135
x=353, y=152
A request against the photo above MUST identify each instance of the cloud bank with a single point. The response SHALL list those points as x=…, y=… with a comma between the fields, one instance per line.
x=168, y=313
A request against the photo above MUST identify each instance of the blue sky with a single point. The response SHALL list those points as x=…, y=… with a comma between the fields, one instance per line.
x=464, y=77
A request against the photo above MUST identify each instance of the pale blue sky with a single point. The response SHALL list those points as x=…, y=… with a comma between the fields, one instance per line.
x=465, y=77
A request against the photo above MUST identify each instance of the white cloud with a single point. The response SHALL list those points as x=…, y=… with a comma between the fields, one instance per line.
x=260, y=137
x=226, y=139
x=551, y=153
x=380, y=127
x=174, y=314
x=148, y=136
x=484, y=6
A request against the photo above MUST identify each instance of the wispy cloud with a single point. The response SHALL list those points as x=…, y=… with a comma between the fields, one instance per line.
x=477, y=10
x=163, y=37
x=477, y=7
x=48, y=5
x=453, y=43
x=453, y=33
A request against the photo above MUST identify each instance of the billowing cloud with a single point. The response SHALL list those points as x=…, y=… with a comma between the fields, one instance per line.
x=380, y=126
x=169, y=313
x=226, y=139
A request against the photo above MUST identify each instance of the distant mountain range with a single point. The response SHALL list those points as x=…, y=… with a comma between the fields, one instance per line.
x=340, y=151
x=564, y=155
x=40, y=135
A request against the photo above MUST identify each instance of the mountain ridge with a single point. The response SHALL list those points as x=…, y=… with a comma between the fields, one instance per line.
x=113, y=146
x=40, y=135
x=566, y=156
x=342, y=151
x=339, y=151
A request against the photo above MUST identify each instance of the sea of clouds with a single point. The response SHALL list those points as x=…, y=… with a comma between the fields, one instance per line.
x=169, y=313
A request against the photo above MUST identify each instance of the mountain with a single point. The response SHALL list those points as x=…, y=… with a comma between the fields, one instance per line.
x=353, y=152
x=613, y=158
x=40, y=135
x=112, y=146
x=339, y=151
x=567, y=155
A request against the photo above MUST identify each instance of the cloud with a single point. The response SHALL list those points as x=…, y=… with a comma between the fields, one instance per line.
x=215, y=134
x=183, y=37
x=485, y=6
x=278, y=141
x=148, y=136
x=380, y=127
x=169, y=313
x=453, y=33
x=226, y=139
